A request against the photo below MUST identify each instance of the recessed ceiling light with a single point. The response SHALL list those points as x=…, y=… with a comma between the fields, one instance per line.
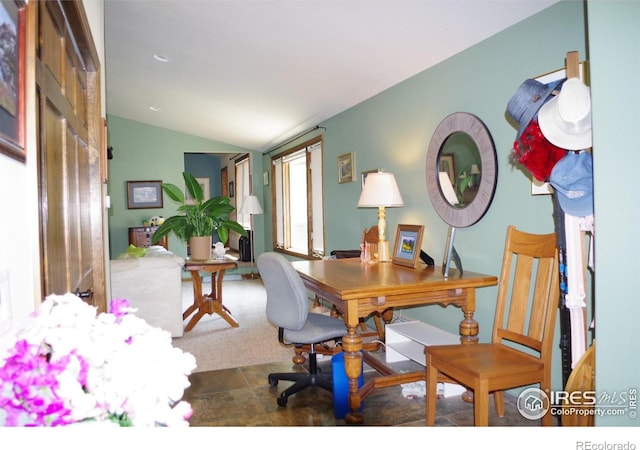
x=155, y=108
x=160, y=58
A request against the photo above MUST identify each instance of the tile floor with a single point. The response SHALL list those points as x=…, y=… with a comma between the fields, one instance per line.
x=243, y=397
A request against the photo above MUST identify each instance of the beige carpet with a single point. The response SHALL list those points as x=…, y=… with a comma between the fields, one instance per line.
x=216, y=345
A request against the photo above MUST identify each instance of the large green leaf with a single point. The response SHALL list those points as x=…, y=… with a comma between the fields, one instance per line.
x=193, y=187
x=173, y=192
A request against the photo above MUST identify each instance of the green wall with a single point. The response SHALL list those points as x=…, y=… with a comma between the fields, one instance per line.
x=145, y=152
x=614, y=42
x=392, y=131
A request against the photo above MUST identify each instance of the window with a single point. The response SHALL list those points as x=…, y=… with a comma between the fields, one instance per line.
x=242, y=188
x=298, y=207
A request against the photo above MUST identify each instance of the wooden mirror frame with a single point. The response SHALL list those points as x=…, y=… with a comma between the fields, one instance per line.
x=476, y=129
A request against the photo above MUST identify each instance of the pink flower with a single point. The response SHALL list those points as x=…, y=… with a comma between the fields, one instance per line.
x=29, y=393
x=120, y=307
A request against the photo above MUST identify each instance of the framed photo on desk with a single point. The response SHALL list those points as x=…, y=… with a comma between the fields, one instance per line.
x=408, y=244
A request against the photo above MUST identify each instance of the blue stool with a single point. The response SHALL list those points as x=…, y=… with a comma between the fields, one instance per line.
x=341, y=386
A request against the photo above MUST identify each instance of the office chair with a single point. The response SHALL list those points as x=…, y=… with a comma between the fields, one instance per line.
x=288, y=309
x=525, y=315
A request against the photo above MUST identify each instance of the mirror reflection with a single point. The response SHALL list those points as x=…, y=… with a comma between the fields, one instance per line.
x=459, y=170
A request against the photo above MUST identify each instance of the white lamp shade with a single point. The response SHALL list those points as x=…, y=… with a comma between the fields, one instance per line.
x=380, y=189
x=475, y=170
x=250, y=205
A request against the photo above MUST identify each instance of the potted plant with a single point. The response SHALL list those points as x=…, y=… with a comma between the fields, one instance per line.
x=198, y=219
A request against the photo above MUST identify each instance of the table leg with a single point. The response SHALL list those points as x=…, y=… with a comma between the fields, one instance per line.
x=207, y=303
x=469, y=327
x=352, y=346
x=469, y=330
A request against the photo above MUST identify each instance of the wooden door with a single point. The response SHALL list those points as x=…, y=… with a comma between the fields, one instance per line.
x=68, y=104
x=224, y=182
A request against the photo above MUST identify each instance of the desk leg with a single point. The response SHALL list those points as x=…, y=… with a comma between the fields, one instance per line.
x=469, y=330
x=352, y=346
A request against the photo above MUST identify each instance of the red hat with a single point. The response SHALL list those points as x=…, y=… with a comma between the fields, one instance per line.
x=536, y=153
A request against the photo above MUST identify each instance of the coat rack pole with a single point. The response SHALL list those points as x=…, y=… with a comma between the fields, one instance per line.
x=568, y=334
x=573, y=65
x=573, y=70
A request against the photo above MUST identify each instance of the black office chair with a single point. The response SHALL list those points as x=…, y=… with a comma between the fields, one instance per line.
x=288, y=309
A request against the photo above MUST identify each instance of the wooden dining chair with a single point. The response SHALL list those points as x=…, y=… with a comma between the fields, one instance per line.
x=582, y=379
x=526, y=310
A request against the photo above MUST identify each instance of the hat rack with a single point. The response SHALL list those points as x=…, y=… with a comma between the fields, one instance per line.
x=573, y=332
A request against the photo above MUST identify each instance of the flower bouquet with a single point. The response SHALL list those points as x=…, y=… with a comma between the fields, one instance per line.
x=71, y=366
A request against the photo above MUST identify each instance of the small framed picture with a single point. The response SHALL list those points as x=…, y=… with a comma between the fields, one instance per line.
x=144, y=194
x=232, y=189
x=447, y=165
x=408, y=243
x=346, y=168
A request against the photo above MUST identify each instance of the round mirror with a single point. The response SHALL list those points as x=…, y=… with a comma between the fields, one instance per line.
x=461, y=169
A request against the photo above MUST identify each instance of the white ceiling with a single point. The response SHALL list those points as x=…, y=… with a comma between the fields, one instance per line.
x=256, y=73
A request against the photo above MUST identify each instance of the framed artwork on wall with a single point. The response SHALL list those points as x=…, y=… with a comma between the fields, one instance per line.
x=408, y=244
x=346, y=168
x=12, y=82
x=144, y=194
x=446, y=164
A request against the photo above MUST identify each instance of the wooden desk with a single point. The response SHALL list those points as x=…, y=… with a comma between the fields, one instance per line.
x=358, y=289
x=208, y=303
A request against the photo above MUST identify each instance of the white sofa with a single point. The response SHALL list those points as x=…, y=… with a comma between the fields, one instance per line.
x=153, y=285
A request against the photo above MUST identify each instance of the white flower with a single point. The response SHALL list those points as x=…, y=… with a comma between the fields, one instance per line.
x=107, y=367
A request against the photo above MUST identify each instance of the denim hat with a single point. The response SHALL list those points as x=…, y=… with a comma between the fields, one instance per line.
x=565, y=120
x=572, y=178
x=527, y=100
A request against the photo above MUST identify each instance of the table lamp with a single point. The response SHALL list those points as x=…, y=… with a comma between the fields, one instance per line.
x=381, y=191
x=475, y=171
x=251, y=205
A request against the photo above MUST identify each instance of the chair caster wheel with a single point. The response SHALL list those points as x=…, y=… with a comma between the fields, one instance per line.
x=282, y=401
x=273, y=381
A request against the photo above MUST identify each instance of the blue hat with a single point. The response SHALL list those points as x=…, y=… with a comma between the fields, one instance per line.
x=527, y=100
x=572, y=178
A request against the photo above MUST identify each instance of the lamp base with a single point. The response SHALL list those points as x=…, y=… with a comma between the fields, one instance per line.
x=383, y=251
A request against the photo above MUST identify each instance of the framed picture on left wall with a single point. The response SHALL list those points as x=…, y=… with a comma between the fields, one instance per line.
x=346, y=168
x=12, y=81
x=144, y=194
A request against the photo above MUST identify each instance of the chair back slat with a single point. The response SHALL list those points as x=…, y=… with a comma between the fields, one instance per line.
x=520, y=294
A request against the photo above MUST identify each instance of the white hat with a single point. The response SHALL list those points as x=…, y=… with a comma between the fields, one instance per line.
x=565, y=120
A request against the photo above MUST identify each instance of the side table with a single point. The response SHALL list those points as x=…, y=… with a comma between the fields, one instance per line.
x=208, y=303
